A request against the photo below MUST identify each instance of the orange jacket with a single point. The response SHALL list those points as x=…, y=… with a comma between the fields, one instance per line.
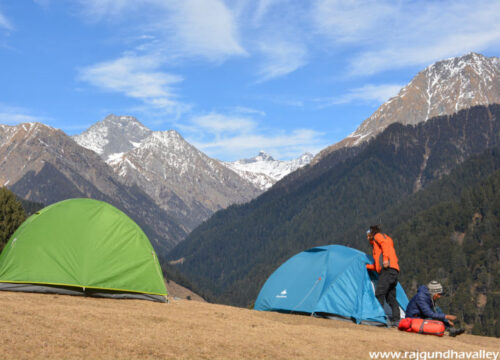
x=383, y=247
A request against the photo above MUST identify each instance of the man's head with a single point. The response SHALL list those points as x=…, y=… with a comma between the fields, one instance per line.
x=374, y=229
x=436, y=289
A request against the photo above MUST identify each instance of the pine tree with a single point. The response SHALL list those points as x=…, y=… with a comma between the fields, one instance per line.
x=11, y=215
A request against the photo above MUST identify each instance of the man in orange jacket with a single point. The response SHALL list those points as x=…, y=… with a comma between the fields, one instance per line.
x=386, y=264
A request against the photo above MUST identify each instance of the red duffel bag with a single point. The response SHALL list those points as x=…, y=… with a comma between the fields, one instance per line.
x=422, y=326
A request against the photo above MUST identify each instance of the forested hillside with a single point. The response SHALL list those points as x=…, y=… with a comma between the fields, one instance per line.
x=448, y=232
x=12, y=215
x=457, y=243
x=13, y=211
x=232, y=254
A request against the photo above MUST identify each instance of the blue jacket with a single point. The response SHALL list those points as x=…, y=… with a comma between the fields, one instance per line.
x=421, y=306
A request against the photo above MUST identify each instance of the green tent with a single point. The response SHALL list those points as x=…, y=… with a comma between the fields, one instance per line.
x=82, y=247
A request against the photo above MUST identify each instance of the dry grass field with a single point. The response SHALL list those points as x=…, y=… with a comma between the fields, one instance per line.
x=40, y=326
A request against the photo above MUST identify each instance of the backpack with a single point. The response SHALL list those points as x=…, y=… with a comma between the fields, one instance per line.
x=422, y=326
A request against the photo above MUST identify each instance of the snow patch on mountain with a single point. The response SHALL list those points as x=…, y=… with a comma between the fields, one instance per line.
x=94, y=139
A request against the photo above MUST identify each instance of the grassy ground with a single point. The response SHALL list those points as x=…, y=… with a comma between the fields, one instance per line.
x=39, y=326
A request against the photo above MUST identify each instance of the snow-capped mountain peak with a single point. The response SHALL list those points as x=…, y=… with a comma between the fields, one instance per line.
x=263, y=156
x=442, y=88
x=113, y=135
x=264, y=171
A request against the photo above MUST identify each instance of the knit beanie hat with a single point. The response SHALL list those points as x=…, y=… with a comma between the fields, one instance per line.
x=435, y=287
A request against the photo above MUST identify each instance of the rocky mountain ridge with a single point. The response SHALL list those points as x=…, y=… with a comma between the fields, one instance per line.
x=442, y=88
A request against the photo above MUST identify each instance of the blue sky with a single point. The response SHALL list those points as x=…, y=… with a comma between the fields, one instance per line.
x=233, y=77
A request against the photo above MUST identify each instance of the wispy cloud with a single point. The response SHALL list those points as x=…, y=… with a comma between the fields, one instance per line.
x=172, y=33
x=220, y=125
x=372, y=62
x=351, y=21
x=96, y=10
x=137, y=77
x=247, y=110
x=43, y=3
x=280, y=58
x=376, y=94
x=278, y=34
x=5, y=23
x=199, y=28
x=284, y=100
x=386, y=34
x=231, y=137
x=262, y=8
x=13, y=115
x=204, y=28
x=214, y=31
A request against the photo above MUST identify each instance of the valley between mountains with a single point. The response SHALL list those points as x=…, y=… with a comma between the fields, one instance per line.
x=425, y=164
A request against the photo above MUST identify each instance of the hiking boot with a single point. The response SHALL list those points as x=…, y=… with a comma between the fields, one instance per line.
x=455, y=332
x=392, y=323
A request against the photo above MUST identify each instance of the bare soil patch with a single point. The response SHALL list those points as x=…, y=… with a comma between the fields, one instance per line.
x=39, y=326
x=178, y=291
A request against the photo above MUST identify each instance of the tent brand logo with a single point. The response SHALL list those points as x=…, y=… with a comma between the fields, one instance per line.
x=282, y=295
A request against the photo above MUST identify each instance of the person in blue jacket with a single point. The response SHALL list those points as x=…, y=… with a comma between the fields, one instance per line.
x=423, y=305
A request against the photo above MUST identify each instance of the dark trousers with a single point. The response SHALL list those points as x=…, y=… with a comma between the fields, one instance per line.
x=386, y=290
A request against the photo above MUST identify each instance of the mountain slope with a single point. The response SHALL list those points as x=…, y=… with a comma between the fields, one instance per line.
x=234, y=252
x=189, y=185
x=183, y=181
x=441, y=89
x=45, y=165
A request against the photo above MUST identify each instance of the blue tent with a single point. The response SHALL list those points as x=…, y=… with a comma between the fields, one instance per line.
x=328, y=280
